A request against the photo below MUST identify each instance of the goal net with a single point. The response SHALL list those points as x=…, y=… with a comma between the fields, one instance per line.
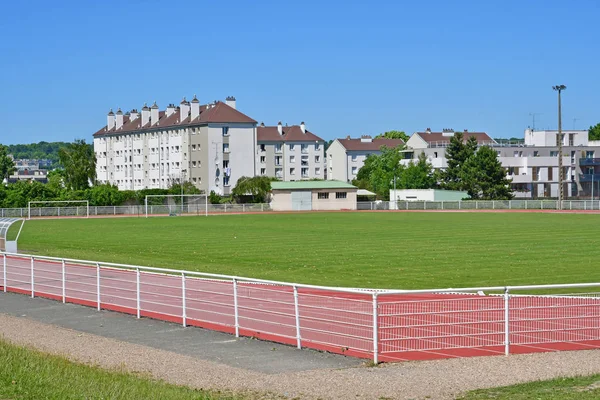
x=176, y=204
x=58, y=208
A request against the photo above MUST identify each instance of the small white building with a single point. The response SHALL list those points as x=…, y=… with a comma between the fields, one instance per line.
x=427, y=195
x=312, y=196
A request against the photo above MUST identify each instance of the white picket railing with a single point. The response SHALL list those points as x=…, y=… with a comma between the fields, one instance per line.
x=383, y=325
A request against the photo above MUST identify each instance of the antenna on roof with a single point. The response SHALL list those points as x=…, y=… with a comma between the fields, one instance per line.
x=532, y=115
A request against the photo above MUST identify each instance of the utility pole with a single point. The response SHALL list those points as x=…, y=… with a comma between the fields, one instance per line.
x=561, y=177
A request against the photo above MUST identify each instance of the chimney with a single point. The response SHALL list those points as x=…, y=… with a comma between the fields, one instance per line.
x=280, y=128
x=428, y=130
x=262, y=124
x=184, y=109
x=466, y=130
x=119, y=119
x=302, y=127
x=154, y=114
x=195, y=108
x=133, y=115
x=145, y=115
x=170, y=109
x=110, y=120
x=348, y=137
x=230, y=101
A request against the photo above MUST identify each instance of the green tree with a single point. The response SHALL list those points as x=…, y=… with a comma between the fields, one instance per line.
x=484, y=177
x=594, y=132
x=7, y=165
x=417, y=175
x=457, y=153
x=378, y=172
x=252, y=189
x=79, y=162
x=393, y=135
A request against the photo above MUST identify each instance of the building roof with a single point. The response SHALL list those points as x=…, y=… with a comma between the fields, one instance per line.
x=438, y=137
x=219, y=113
x=297, y=185
x=290, y=134
x=372, y=145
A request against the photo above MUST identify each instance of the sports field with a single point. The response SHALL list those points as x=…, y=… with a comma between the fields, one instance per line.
x=379, y=250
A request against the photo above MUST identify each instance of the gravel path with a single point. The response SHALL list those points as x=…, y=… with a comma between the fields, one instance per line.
x=442, y=379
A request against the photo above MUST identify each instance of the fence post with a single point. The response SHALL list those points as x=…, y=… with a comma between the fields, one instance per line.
x=243, y=208
x=541, y=204
x=526, y=202
x=459, y=204
x=4, y=273
x=442, y=204
x=183, y=306
x=32, y=280
x=137, y=291
x=262, y=207
x=226, y=208
x=493, y=205
x=371, y=206
x=64, y=281
x=297, y=313
x=375, y=330
x=476, y=205
x=98, y=285
x=571, y=205
x=506, y=323
x=235, y=309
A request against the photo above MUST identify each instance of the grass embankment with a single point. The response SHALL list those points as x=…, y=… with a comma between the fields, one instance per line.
x=29, y=374
x=580, y=388
x=383, y=250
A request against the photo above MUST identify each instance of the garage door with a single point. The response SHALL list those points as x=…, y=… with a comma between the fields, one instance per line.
x=301, y=201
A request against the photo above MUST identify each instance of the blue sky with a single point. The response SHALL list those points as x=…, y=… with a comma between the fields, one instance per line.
x=345, y=68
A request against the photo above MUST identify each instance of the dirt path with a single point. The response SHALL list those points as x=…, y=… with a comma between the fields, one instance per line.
x=442, y=379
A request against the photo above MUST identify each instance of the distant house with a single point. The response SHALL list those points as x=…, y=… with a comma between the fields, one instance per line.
x=313, y=196
x=345, y=157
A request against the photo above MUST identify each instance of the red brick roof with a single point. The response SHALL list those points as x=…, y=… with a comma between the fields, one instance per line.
x=290, y=134
x=438, y=137
x=219, y=113
x=373, y=145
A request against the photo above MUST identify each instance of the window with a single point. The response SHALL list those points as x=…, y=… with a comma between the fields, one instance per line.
x=278, y=172
x=262, y=159
x=278, y=148
x=278, y=160
x=354, y=170
x=292, y=171
x=554, y=154
x=304, y=148
x=571, y=139
x=589, y=154
x=435, y=154
x=292, y=159
x=225, y=131
x=194, y=179
x=317, y=159
x=317, y=146
x=291, y=147
x=262, y=147
x=225, y=147
x=550, y=173
x=340, y=195
x=317, y=171
x=536, y=153
x=304, y=172
x=353, y=157
x=193, y=164
x=263, y=171
x=193, y=147
x=322, y=196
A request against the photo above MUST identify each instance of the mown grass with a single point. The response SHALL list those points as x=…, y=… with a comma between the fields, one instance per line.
x=383, y=250
x=580, y=388
x=29, y=374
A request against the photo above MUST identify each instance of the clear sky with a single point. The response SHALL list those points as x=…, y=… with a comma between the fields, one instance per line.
x=344, y=67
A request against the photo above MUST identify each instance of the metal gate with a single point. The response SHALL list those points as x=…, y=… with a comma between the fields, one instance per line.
x=302, y=201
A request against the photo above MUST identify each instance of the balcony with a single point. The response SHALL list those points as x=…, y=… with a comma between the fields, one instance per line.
x=589, y=177
x=589, y=161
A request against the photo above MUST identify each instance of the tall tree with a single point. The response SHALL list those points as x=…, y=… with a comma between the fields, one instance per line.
x=417, y=175
x=594, y=132
x=79, y=162
x=457, y=153
x=393, y=135
x=252, y=189
x=484, y=177
x=378, y=172
x=7, y=165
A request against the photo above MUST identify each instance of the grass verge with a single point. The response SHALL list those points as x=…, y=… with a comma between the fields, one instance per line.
x=29, y=374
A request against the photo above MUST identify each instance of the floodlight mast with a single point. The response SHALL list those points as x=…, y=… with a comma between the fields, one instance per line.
x=561, y=178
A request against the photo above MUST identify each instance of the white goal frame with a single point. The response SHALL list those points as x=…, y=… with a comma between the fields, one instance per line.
x=175, y=196
x=86, y=202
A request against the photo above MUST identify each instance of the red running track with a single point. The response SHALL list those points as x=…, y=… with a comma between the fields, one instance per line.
x=410, y=326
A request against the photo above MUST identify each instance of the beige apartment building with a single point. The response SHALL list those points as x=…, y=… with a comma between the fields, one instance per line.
x=289, y=153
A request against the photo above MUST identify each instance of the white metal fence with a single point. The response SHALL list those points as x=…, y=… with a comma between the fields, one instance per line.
x=383, y=325
x=202, y=209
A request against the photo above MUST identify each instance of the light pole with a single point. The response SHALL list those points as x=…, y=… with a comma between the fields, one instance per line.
x=561, y=178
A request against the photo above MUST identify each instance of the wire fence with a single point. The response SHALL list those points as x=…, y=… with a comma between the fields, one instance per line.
x=205, y=209
x=382, y=325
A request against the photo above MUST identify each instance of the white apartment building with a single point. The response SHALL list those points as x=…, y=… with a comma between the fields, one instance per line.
x=532, y=165
x=210, y=145
x=345, y=157
x=289, y=153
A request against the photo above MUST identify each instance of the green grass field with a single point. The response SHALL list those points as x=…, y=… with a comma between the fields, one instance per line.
x=27, y=374
x=382, y=250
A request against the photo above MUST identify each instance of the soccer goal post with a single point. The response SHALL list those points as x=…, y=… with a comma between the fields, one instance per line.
x=176, y=204
x=58, y=208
